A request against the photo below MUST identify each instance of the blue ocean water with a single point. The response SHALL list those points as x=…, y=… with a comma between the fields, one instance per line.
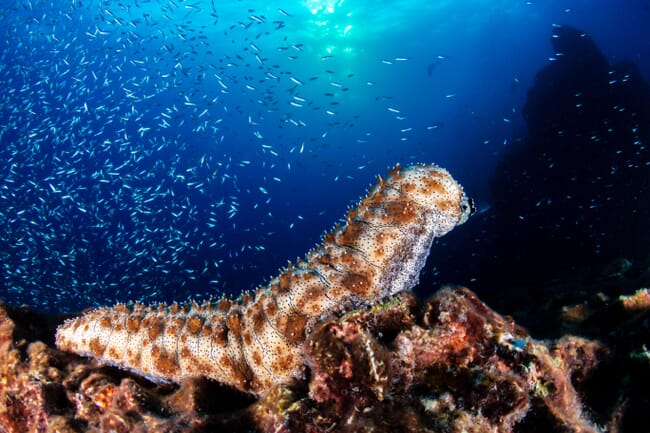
x=172, y=150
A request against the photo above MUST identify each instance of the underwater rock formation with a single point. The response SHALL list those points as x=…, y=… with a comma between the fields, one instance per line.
x=574, y=190
x=462, y=368
x=451, y=364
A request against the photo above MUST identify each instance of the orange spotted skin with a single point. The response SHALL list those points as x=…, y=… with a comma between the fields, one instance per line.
x=256, y=343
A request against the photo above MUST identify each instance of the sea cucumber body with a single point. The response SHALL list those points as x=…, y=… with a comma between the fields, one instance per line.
x=256, y=342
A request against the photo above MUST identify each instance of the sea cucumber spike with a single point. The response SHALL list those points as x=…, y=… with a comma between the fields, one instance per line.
x=257, y=342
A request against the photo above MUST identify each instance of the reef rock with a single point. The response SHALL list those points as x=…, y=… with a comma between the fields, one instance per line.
x=451, y=365
x=460, y=367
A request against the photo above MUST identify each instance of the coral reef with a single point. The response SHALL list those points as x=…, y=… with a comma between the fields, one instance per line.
x=462, y=368
x=451, y=364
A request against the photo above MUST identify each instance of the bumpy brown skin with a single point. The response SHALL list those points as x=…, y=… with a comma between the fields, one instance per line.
x=257, y=343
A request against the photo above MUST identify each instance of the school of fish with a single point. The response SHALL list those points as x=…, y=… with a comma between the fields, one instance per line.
x=150, y=147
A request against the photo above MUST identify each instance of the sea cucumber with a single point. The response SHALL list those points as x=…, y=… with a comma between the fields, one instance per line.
x=257, y=342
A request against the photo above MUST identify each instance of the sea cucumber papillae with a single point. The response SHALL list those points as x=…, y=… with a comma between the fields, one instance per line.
x=257, y=343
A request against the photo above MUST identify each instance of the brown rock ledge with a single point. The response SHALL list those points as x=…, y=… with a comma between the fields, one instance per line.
x=451, y=365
